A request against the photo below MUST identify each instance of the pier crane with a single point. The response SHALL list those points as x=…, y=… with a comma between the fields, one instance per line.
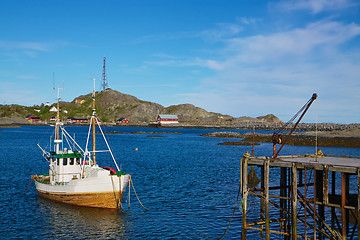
x=277, y=138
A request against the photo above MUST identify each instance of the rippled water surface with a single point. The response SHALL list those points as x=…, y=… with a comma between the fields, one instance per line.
x=188, y=183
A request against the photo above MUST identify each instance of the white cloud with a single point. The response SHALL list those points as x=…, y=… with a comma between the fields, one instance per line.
x=278, y=73
x=296, y=42
x=26, y=77
x=35, y=46
x=249, y=20
x=316, y=6
x=223, y=30
x=12, y=93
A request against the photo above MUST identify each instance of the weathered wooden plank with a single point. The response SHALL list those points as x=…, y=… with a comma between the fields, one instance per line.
x=338, y=164
x=262, y=205
x=343, y=201
x=326, y=185
x=358, y=206
x=266, y=193
x=294, y=201
x=244, y=193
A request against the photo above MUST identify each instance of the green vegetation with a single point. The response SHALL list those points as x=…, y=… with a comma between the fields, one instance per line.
x=15, y=110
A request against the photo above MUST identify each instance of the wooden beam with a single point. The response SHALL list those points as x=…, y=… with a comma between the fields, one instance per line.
x=358, y=206
x=314, y=216
x=333, y=185
x=282, y=196
x=343, y=201
x=293, y=202
x=266, y=193
x=262, y=204
x=320, y=197
x=326, y=185
x=305, y=203
x=244, y=194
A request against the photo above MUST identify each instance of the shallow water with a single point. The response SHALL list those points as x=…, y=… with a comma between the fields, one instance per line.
x=188, y=183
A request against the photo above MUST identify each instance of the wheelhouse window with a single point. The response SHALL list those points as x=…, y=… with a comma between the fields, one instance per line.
x=72, y=161
x=65, y=160
x=78, y=161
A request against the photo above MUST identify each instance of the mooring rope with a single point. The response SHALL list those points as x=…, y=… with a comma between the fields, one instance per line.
x=120, y=200
x=131, y=182
x=237, y=199
x=114, y=191
x=122, y=208
x=32, y=179
x=165, y=223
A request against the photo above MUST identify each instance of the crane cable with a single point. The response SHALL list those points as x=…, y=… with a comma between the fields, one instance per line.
x=295, y=116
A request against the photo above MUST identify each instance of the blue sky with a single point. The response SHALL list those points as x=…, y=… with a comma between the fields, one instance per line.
x=242, y=58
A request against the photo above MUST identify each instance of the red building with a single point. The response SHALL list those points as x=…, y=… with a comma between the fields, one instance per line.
x=122, y=120
x=76, y=120
x=31, y=118
x=167, y=119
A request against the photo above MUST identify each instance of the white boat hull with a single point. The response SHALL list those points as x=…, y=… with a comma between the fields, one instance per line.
x=102, y=192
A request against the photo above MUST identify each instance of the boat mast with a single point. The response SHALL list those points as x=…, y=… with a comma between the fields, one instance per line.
x=104, y=84
x=57, y=116
x=57, y=140
x=93, y=124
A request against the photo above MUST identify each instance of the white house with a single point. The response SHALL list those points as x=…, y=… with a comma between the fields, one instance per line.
x=53, y=109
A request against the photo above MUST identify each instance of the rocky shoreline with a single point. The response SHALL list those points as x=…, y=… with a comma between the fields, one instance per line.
x=328, y=134
x=147, y=133
x=335, y=138
x=243, y=123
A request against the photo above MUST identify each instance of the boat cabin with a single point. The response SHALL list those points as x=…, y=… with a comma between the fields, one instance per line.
x=65, y=165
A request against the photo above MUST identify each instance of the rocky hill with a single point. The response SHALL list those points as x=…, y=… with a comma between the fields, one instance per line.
x=112, y=105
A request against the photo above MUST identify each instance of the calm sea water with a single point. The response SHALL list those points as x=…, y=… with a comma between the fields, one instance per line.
x=188, y=183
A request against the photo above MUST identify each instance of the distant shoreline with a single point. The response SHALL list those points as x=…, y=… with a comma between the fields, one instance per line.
x=321, y=127
x=324, y=139
x=331, y=135
x=246, y=125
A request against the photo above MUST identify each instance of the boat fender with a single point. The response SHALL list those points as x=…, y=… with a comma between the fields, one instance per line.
x=112, y=171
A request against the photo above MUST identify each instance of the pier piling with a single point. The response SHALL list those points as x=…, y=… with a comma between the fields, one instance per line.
x=307, y=209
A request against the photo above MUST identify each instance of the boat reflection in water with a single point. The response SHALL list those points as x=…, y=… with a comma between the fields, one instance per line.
x=64, y=221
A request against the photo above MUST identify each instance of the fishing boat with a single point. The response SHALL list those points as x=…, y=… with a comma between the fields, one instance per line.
x=74, y=176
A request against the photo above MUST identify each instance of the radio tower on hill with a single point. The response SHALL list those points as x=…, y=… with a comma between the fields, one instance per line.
x=104, y=84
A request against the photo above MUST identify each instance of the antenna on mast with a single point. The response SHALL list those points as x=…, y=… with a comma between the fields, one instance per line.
x=53, y=80
x=93, y=120
x=104, y=84
x=57, y=113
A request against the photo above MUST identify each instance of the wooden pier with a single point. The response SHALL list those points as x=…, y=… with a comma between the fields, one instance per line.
x=305, y=197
